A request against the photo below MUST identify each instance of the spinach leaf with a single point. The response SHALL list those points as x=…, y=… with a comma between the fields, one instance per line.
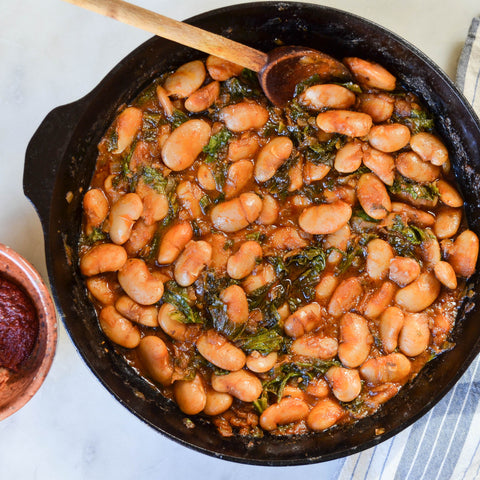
x=216, y=144
x=264, y=341
x=427, y=191
x=178, y=297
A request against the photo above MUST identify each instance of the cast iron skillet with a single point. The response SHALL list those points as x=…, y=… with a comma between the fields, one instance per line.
x=61, y=157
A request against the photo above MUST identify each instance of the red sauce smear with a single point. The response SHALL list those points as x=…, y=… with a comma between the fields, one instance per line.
x=18, y=325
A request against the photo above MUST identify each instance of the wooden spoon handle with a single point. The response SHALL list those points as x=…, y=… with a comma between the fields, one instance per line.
x=177, y=31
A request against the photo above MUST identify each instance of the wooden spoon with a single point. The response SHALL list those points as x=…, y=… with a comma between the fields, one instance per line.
x=278, y=71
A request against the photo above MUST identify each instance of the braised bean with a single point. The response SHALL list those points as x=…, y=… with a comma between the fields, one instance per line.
x=420, y=294
x=205, y=178
x=318, y=387
x=128, y=125
x=173, y=242
x=324, y=414
x=324, y=290
x=355, y=340
x=244, y=116
x=164, y=101
x=286, y=238
x=379, y=255
x=145, y=315
x=169, y=320
x=236, y=303
x=235, y=214
x=345, y=122
x=447, y=222
x=445, y=275
x=219, y=351
x=244, y=147
x=403, y=270
x=190, y=395
x=380, y=300
x=220, y=69
x=389, y=138
x=415, y=334
x=418, y=217
x=261, y=276
x=373, y=196
x=287, y=410
x=203, y=98
x=139, y=284
x=389, y=368
x=325, y=218
x=269, y=212
x=102, y=289
x=302, y=321
x=186, y=79
x=240, y=384
x=217, y=402
x=95, y=206
x=464, y=254
x=124, y=213
x=380, y=163
x=156, y=359
x=271, y=157
x=349, y=157
x=244, y=260
x=185, y=143
x=449, y=195
x=141, y=235
x=118, y=329
x=238, y=176
x=345, y=383
x=258, y=363
x=391, y=323
x=105, y=257
x=327, y=95
x=378, y=105
x=315, y=346
x=313, y=173
x=429, y=148
x=345, y=296
x=370, y=74
x=194, y=258
x=411, y=166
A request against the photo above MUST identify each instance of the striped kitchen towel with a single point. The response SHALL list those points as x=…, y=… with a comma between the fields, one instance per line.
x=445, y=443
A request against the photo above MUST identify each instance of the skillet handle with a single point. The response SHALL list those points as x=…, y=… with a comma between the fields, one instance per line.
x=44, y=154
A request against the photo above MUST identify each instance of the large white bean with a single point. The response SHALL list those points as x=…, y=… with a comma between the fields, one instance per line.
x=324, y=414
x=118, y=329
x=349, y=157
x=220, y=351
x=389, y=138
x=127, y=127
x=345, y=296
x=410, y=165
x=403, y=270
x=186, y=79
x=185, y=143
x=429, y=148
x=145, y=315
x=389, y=368
x=380, y=163
x=315, y=346
x=243, y=262
x=355, y=340
x=190, y=395
x=304, y=320
x=379, y=255
x=345, y=122
x=271, y=157
x=415, y=334
x=391, y=323
x=420, y=294
x=238, y=176
x=326, y=218
x=373, y=196
x=241, y=384
x=464, y=254
x=95, y=207
x=327, y=95
x=156, y=359
x=236, y=302
x=244, y=116
x=173, y=242
x=287, y=410
x=370, y=74
x=235, y=214
x=106, y=257
x=194, y=258
x=139, y=284
x=345, y=383
x=124, y=212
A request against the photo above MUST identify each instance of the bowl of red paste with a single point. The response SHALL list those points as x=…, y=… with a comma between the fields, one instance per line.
x=28, y=331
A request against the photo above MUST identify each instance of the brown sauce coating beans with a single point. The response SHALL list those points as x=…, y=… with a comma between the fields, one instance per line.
x=244, y=258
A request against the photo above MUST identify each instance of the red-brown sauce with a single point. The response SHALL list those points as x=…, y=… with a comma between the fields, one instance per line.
x=18, y=325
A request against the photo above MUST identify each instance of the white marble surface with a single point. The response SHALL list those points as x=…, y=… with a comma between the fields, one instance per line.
x=52, y=53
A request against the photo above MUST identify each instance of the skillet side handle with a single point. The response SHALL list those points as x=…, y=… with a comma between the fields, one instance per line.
x=44, y=154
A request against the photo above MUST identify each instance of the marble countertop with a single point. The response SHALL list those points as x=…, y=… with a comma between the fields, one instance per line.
x=73, y=428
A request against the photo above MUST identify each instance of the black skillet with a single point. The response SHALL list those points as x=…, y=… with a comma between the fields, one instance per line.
x=61, y=156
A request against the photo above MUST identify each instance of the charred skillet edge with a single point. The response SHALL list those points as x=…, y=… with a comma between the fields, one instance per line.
x=46, y=151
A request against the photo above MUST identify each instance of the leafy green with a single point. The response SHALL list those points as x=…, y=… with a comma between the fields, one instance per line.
x=323, y=152
x=97, y=235
x=216, y=144
x=150, y=123
x=264, y=341
x=278, y=185
x=427, y=191
x=308, y=82
x=256, y=236
x=352, y=86
x=112, y=141
x=404, y=238
x=306, y=256
x=257, y=298
x=418, y=121
x=315, y=259
x=147, y=95
x=361, y=213
x=279, y=266
x=356, y=252
x=244, y=86
x=178, y=297
x=178, y=117
x=154, y=179
x=205, y=203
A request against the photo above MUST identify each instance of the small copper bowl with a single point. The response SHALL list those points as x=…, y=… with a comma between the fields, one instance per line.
x=17, y=388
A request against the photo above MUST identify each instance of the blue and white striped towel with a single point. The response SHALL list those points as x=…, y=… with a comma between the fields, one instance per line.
x=445, y=443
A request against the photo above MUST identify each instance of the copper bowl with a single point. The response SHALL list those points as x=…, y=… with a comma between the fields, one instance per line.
x=17, y=388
